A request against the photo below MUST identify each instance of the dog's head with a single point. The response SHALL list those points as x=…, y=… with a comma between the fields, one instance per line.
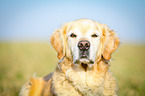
x=84, y=41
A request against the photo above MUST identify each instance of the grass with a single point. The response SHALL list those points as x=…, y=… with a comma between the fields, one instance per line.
x=18, y=61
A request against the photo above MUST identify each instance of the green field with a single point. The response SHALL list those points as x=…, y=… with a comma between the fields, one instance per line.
x=18, y=61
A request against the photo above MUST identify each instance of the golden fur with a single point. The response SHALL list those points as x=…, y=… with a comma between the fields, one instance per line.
x=70, y=79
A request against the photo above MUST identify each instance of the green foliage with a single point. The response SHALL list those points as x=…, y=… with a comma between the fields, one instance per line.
x=19, y=61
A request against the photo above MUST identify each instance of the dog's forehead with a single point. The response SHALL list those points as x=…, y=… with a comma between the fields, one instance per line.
x=84, y=27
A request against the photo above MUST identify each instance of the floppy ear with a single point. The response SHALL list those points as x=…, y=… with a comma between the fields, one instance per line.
x=110, y=42
x=58, y=40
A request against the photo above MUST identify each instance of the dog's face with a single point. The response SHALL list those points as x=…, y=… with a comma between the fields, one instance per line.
x=84, y=41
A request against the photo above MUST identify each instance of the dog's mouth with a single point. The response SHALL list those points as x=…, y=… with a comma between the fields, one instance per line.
x=84, y=65
x=87, y=66
x=84, y=56
x=84, y=59
x=84, y=62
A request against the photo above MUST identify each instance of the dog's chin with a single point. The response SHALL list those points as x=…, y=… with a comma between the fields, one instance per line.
x=84, y=61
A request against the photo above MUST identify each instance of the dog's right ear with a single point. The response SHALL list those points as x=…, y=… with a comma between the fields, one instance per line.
x=56, y=42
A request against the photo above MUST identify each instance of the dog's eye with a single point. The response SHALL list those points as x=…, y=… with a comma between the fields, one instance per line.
x=94, y=35
x=73, y=35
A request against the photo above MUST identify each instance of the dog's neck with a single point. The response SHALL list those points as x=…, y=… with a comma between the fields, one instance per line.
x=81, y=79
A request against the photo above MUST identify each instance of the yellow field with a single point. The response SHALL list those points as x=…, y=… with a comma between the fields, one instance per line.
x=18, y=61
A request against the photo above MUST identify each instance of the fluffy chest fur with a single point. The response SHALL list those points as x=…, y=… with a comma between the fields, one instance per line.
x=77, y=82
x=86, y=82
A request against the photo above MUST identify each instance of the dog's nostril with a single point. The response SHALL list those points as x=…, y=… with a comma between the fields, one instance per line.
x=81, y=45
x=87, y=44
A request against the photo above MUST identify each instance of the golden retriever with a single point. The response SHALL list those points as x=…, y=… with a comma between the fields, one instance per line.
x=84, y=48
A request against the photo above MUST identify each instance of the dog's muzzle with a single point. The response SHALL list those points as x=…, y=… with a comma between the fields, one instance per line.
x=84, y=46
x=84, y=59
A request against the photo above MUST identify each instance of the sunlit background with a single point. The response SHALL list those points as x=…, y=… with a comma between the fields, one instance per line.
x=26, y=26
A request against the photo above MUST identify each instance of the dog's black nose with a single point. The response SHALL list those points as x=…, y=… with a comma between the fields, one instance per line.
x=84, y=45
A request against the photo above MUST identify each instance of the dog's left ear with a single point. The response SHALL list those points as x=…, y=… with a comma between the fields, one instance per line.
x=110, y=42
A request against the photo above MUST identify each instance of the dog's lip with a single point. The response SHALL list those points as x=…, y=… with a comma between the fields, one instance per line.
x=83, y=56
x=84, y=61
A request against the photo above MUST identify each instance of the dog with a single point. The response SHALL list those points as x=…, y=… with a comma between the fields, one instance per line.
x=84, y=50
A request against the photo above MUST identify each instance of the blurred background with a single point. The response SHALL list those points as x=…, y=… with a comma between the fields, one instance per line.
x=26, y=26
